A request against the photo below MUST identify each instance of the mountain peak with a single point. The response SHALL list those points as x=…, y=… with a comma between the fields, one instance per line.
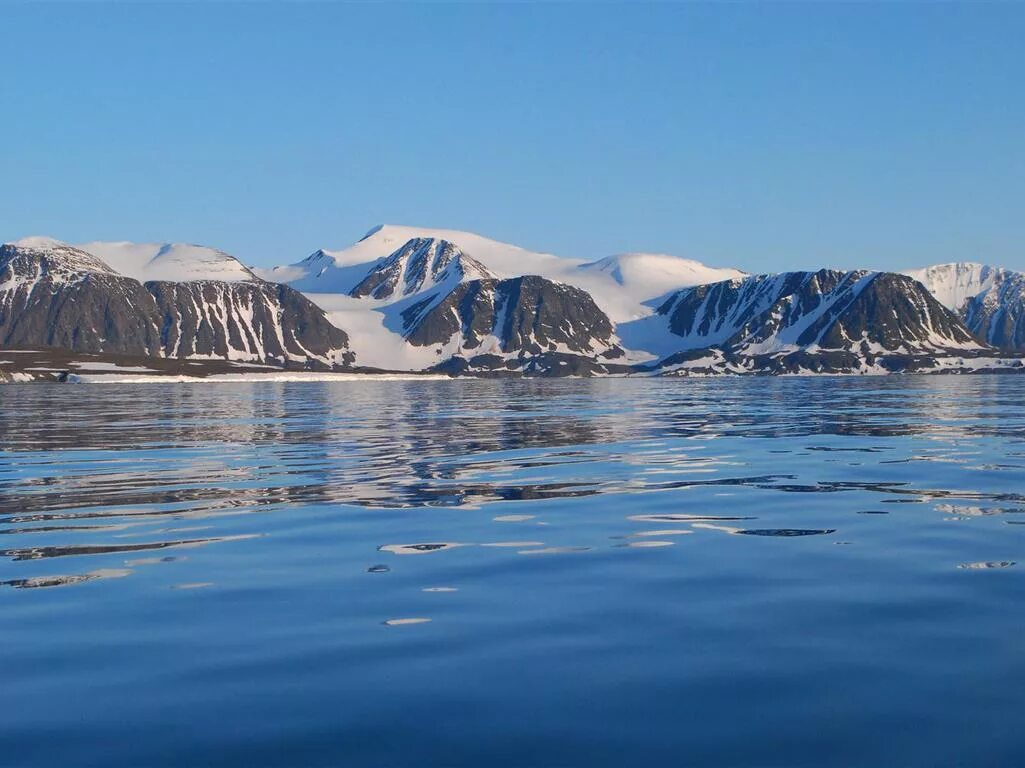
x=990, y=300
x=421, y=263
x=39, y=243
x=58, y=258
x=953, y=284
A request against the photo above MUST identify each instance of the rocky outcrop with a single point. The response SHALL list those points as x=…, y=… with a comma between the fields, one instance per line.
x=998, y=315
x=245, y=321
x=864, y=313
x=523, y=316
x=58, y=296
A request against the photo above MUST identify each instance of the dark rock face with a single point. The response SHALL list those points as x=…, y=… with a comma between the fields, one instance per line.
x=529, y=315
x=248, y=321
x=421, y=263
x=62, y=297
x=865, y=313
x=998, y=314
x=896, y=312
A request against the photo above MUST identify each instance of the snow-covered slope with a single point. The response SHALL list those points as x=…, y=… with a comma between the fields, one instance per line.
x=178, y=262
x=63, y=262
x=628, y=282
x=990, y=300
x=622, y=286
x=953, y=284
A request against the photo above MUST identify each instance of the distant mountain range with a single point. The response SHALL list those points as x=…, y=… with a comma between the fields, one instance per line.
x=56, y=295
x=408, y=299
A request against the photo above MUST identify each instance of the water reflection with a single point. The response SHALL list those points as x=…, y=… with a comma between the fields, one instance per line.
x=84, y=471
x=36, y=582
x=785, y=531
x=418, y=549
x=39, y=553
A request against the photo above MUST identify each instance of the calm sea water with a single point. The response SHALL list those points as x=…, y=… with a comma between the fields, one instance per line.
x=756, y=572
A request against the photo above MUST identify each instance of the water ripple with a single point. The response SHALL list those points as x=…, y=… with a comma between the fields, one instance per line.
x=119, y=468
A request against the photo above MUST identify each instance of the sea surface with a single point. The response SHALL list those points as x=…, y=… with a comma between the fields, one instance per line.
x=729, y=572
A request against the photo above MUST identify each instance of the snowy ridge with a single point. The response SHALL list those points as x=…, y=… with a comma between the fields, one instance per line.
x=61, y=261
x=628, y=281
x=179, y=262
x=321, y=272
x=339, y=271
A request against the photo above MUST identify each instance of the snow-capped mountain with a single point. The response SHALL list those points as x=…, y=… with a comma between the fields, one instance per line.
x=422, y=263
x=411, y=299
x=56, y=295
x=844, y=320
x=620, y=285
x=997, y=315
x=990, y=300
x=953, y=284
x=177, y=262
x=365, y=287
x=331, y=271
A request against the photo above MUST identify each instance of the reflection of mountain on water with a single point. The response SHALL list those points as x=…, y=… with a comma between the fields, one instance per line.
x=38, y=582
x=39, y=553
x=216, y=450
x=82, y=468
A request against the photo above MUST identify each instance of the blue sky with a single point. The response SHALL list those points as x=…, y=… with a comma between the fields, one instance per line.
x=762, y=136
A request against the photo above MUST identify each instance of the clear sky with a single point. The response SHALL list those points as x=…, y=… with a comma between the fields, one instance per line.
x=763, y=136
